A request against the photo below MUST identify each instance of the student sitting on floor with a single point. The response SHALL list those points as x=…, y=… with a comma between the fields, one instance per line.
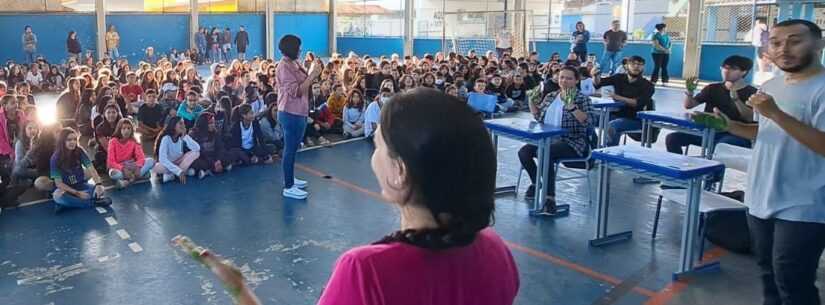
x=71, y=170
x=337, y=101
x=212, y=158
x=34, y=165
x=373, y=114
x=190, y=110
x=126, y=161
x=24, y=139
x=246, y=142
x=273, y=134
x=729, y=97
x=517, y=92
x=576, y=120
x=353, y=115
x=103, y=134
x=441, y=175
x=169, y=149
x=150, y=117
x=633, y=90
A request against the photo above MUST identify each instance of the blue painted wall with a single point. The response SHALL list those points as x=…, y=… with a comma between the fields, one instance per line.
x=547, y=48
x=423, y=46
x=712, y=56
x=138, y=31
x=253, y=23
x=374, y=46
x=51, y=30
x=312, y=28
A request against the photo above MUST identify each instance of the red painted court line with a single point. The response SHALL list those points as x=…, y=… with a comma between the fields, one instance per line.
x=527, y=250
x=665, y=295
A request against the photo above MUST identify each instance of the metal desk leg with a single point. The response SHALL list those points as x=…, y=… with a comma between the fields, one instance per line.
x=540, y=191
x=690, y=232
x=604, y=117
x=603, y=200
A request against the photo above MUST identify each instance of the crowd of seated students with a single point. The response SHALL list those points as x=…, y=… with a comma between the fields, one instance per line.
x=200, y=126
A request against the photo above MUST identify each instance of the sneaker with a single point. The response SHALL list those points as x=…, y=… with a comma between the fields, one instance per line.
x=269, y=160
x=201, y=174
x=229, y=167
x=103, y=201
x=309, y=142
x=531, y=192
x=168, y=178
x=301, y=184
x=323, y=141
x=190, y=172
x=295, y=193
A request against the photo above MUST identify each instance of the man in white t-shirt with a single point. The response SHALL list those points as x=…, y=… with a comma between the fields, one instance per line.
x=786, y=177
x=34, y=77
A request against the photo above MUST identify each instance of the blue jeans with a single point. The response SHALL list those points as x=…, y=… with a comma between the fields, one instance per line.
x=611, y=61
x=144, y=171
x=617, y=127
x=29, y=56
x=114, y=53
x=70, y=201
x=294, y=127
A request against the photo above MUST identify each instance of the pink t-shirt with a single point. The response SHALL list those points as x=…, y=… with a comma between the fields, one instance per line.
x=399, y=274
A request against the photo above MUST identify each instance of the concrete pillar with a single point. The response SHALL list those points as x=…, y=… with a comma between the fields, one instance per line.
x=409, y=22
x=333, y=44
x=690, y=64
x=100, y=13
x=269, y=27
x=194, y=23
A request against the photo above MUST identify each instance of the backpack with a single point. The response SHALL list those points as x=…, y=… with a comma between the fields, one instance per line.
x=729, y=229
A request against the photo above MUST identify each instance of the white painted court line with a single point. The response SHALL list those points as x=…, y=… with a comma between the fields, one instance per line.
x=135, y=247
x=111, y=221
x=123, y=234
x=101, y=210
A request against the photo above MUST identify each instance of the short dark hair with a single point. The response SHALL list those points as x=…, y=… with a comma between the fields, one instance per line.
x=813, y=29
x=660, y=26
x=738, y=62
x=635, y=58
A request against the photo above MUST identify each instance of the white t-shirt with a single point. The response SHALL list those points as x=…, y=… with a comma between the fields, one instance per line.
x=587, y=87
x=504, y=40
x=246, y=136
x=786, y=179
x=372, y=115
x=34, y=79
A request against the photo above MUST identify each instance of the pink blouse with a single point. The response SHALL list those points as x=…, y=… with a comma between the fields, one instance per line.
x=290, y=97
x=483, y=272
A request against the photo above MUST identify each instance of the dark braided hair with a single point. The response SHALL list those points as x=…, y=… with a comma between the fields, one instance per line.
x=450, y=165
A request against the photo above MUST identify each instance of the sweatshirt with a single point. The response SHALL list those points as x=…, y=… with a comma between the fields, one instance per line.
x=120, y=153
x=169, y=151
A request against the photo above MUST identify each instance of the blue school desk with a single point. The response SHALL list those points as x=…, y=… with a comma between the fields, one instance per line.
x=675, y=169
x=678, y=122
x=531, y=132
x=603, y=107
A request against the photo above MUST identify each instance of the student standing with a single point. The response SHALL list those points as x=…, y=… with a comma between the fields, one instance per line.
x=73, y=46
x=786, y=176
x=614, y=40
x=29, y=42
x=112, y=42
x=579, y=41
x=241, y=42
x=661, y=54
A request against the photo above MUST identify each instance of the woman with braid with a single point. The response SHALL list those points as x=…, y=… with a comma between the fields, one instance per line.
x=434, y=162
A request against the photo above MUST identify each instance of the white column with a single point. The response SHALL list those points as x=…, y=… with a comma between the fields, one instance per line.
x=333, y=44
x=194, y=23
x=100, y=13
x=270, y=29
x=690, y=65
x=409, y=22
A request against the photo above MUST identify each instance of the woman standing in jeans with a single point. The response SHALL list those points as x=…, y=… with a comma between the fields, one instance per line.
x=293, y=108
x=661, y=54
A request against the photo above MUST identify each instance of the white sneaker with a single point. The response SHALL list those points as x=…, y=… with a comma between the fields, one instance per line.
x=301, y=184
x=201, y=174
x=295, y=193
x=168, y=177
x=190, y=172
